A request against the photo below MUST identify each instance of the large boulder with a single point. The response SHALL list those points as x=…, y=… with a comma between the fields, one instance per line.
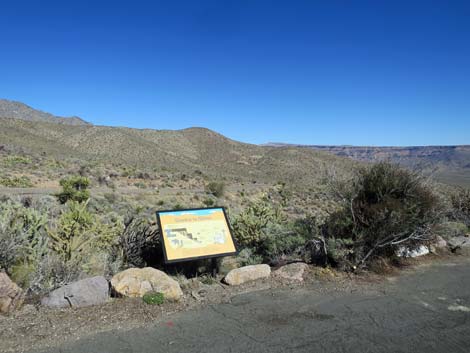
x=11, y=296
x=135, y=282
x=86, y=292
x=246, y=274
x=459, y=245
x=292, y=272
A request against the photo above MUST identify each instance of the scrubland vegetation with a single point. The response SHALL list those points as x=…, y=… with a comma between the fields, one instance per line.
x=101, y=220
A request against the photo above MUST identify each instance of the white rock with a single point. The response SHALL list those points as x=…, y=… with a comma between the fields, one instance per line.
x=246, y=274
x=406, y=252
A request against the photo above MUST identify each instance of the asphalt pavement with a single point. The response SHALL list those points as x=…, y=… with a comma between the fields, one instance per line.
x=426, y=311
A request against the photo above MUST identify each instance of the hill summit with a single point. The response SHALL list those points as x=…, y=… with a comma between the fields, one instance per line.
x=18, y=110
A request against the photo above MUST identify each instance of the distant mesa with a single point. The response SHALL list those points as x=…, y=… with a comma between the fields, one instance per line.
x=18, y=110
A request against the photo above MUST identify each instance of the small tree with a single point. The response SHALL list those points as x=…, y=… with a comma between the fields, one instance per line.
x=74, y=189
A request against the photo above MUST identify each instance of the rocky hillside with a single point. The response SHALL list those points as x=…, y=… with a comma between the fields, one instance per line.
x=17, y=110
x=186, y=151
x=450, y=164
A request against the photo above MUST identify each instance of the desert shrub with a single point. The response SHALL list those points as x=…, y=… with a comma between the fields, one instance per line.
x=16, y=160
x=264, y=228
x=250, y=225
x=111, y=197
x=153, y=298
x=383, y=207
x=216, y=188
x=460, y=201
x=451, y=229
x=16, y=182
x=282, y=243
x=78, y=232
x=140, y=185
x=74, y=189
x=249, y=256
x=208, y=202
x=50, y=273
x=138, y=242
x=22, y=235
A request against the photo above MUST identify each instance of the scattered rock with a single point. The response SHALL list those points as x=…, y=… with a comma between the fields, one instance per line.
x=11, y=296
x=189, y=283
x=419, y=251
x=27, y=309
x=199, y=295
x=459, y=245
x=86, y=292
x=458, y=242
x=228, y=264
x=247, y=273
x=440, y=243
x=294, y=271
x=135, y=282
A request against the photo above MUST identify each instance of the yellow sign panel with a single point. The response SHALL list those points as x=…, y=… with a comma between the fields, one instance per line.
x=194, y=234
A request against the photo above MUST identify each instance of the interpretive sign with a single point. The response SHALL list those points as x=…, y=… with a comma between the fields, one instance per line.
x=195, y=234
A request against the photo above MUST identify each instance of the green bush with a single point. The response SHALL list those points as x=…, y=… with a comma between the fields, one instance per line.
x=78, y=231
x=154, y=298
x=250, y=225
x=15, y=160
x=140, y=185
x=385, y=207
x=74, y=189
x=216, y=188
x=208, y=202
x=16, y=182
x=264, y=229
x=451, y=229
x=22, y=235
x=249, y=256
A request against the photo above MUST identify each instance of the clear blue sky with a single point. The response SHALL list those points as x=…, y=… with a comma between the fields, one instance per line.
x=316, y=72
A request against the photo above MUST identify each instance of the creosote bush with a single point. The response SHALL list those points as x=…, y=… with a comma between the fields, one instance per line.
x=461, y=206
x=383, y=208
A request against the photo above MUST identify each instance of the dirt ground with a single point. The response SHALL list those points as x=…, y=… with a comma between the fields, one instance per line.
x=36, y=327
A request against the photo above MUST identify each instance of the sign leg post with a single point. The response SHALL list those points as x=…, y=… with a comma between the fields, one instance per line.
x=214, y=267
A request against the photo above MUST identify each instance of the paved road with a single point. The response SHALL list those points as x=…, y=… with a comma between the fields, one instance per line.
x=427, y=311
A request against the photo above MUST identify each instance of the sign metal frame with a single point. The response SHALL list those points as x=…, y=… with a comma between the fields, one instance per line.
x=211, y=256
